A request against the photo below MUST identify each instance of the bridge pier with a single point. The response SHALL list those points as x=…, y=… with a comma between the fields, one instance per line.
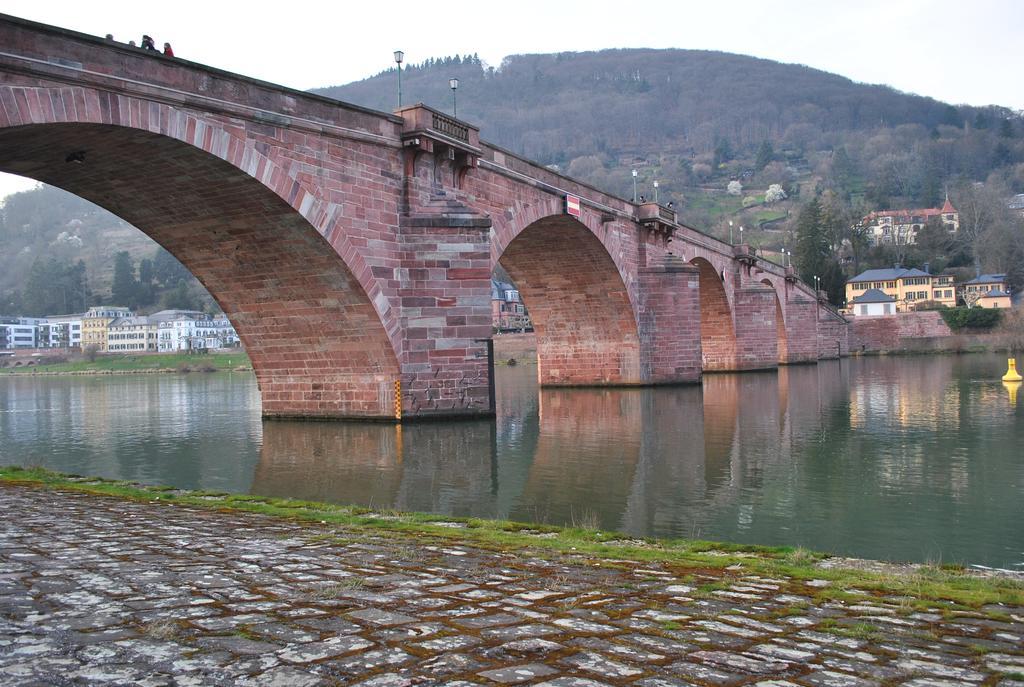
x=445, y=296
x=801, y=320
x=669, y=308
x=756, y=343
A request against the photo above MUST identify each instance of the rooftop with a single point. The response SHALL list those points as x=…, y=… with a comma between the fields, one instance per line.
x=988, y=279
x=890, y=274
x=874, y=296
x=996, y=293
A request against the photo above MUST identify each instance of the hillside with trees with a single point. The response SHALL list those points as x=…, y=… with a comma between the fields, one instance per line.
x=61, y=254
x=730, y=137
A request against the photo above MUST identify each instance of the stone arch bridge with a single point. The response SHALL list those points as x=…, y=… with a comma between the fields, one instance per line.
x=353, y=249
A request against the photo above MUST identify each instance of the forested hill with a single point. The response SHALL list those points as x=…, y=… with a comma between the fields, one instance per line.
x=553, y=107
x=697, y=119
x=61, y=254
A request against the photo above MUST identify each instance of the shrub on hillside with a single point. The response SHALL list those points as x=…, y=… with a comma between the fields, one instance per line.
x=930, y=305
x=971, y=318
x=1012, y=328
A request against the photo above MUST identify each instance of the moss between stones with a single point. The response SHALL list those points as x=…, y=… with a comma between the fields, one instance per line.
x=920, y=586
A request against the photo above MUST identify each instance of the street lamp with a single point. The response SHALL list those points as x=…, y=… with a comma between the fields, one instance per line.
x=655, y=190
x=741, y=235
x=634, y=185
x=454, y=85
x=399, y=55
x=730, y=233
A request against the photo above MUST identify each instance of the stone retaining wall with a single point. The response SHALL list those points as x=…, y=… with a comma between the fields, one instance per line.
x=908, y=331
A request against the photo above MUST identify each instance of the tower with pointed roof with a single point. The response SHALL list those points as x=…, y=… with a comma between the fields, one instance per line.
x=950, y=215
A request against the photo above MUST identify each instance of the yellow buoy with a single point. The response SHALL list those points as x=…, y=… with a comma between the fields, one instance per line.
x=1011, y=373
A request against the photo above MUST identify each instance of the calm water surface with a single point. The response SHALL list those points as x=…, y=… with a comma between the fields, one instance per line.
x=912, y=458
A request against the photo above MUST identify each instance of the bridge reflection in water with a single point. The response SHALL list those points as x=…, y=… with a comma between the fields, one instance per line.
x=663, y=461
x=906, y=458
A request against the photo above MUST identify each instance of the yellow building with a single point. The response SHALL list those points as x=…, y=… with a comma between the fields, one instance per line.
x=95, y=323
x=982, y=284
x=996, y=298
x=909, y=287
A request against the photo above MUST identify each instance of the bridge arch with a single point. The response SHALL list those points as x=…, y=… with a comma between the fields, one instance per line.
x=578, y=301
x=270, y=252
x=781, y=339
x=717, y=333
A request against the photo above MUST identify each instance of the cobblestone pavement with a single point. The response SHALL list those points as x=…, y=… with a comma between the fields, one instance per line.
x=102, y=591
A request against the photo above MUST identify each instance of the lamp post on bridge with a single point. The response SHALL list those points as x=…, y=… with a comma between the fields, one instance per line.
x=634, y=186
x=730, y=233
x=454, y=85
x=655, y=190
x=399, y=56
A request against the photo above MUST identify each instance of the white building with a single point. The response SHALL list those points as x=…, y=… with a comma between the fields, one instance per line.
x=873, y=302
x=190, y=331
x=17, y=332
x=65, y=330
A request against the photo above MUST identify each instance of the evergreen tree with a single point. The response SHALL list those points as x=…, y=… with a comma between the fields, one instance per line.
x=813, y=255
x=125, y=289
x=37, y=297
x=182, y=298
x=723, y=152
x=146, y=286
x=167, y=270
x=54, y=287
x=765, y=154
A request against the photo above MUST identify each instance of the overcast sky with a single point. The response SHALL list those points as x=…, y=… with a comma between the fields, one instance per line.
x=952, y=50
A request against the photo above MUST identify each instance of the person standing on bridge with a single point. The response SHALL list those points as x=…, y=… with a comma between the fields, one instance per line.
x=147, y=43
x=167, y=50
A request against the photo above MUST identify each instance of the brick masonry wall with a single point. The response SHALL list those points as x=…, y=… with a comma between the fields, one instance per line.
x=802, y=320
x=446, y=299
x=756, y=343
x=895, y=332
x=670, y=344
x=833, y=336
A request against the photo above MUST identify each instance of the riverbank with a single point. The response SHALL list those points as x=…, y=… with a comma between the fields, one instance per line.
x=155, y=363
x=954, y=584
x=250, y=590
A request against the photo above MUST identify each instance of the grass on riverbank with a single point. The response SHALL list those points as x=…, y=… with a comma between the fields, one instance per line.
x=950, y=587
x=119, y=363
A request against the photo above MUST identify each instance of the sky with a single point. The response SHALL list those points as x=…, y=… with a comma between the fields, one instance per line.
x=951, y=50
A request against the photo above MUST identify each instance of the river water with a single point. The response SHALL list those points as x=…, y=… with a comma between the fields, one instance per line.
x=896, y=458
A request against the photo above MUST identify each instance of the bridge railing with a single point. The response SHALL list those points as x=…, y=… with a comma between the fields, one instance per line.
x=422, y=119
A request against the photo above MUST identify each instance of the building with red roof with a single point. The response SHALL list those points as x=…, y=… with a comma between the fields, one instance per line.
x=900, y=227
